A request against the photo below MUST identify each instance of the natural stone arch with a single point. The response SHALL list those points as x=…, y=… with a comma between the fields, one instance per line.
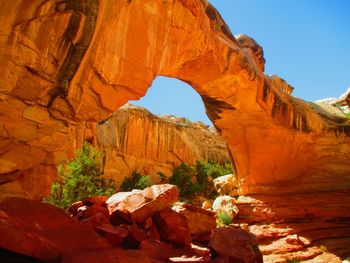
x=67, y=63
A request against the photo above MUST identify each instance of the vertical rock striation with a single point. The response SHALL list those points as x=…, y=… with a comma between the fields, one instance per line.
x=67, y=62
x=135, y=139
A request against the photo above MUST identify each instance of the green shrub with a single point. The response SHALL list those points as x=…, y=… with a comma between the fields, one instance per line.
x=224, y=219
x=184, y=177
x=198, y=180
x=129, y=182
x=135, y=181
x=79, y=179
x=163, y=177
x=144, y=182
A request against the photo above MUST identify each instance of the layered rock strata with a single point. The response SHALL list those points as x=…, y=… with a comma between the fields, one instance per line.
x=66, y=62
x=133, y=139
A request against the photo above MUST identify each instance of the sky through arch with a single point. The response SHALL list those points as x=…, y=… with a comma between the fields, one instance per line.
x=173, y=96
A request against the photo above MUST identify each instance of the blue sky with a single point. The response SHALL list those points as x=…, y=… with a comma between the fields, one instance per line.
x=306, y=42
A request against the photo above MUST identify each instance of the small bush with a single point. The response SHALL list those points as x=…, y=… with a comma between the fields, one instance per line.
x=224, y=219
x=144, y=182
x=184, y=177
x=129, y=182
x=79, y=179
x=135, y=181
x=163, y=177
x=198, y=180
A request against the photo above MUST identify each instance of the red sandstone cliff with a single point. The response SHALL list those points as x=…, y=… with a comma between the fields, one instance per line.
x=135, y=139
x=67, y=62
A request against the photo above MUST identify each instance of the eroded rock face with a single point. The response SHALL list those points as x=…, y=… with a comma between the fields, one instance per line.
x=61, y=66
x=133, y=139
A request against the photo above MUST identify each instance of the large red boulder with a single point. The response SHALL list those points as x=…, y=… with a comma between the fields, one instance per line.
x=201, y=222
x=43, y=231
x=137, y=206
x=235, y=245
x=173, y=227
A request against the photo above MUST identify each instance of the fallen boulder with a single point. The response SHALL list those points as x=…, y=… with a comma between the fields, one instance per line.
x=225, y=184
x=138, y=206
x=225, y=204
x=235, y=245
x=201, y=222
x=173, y=227
x=43, y=231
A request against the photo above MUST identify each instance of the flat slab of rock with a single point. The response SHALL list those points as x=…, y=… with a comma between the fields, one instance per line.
x=201, y=222
x=137, y=206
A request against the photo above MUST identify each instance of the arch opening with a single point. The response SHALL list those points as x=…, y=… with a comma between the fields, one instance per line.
x=164, y=129
x=173, y=96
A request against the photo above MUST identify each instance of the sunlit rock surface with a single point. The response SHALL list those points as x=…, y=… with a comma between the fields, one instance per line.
x=133, y=139
x=64, y=63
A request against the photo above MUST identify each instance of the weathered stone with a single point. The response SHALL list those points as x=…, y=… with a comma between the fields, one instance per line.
x=115, y=235
x=158, y=144
x=62, y=68
x=96, y=201
x=236, y=245
x=43, y=231
x=207, y=204
x=201, y=222
x=225, y=204
x=225, y=184
x=173, y=227
x=140, y=205
x=90, y=211
x=135, y=236
x=162, y=251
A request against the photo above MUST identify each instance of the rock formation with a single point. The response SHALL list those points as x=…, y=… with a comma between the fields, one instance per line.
x=67, y=62
x=135, y=139
x=162, y=234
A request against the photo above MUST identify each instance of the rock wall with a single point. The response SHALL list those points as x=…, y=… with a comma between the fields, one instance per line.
x=135, y=139
x=67, y=62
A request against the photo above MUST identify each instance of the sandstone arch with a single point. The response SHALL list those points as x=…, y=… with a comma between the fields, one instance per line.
x=79, y=61
x=67, y=64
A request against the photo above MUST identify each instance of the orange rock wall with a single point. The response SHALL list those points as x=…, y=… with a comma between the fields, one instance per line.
x=134, y=139
x=62, y=65
x=67, y=62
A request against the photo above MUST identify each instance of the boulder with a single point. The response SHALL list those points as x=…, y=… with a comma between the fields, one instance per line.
x=173, y=227
x=140, y=205
x=115, y=235
x=135, y=236
x=96, y=200
x=235, y=245
x=207, y=204
x=43, y=231
x=153, y=233
x=90, y=211
x=201, y=222
x=225, y=184
x=225, y=204
x=162, y=251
